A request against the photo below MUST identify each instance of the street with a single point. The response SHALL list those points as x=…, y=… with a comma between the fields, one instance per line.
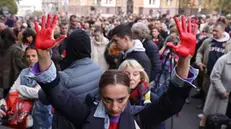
x=187, y=118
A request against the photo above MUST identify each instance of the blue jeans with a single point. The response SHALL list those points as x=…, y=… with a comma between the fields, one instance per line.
x=42, y=116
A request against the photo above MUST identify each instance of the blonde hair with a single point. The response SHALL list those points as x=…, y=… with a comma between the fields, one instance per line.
x=134, y=64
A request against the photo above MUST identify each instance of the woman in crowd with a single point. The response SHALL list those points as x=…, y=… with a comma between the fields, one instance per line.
x=28, y=38
x=98, y=47
x=156, y=37
x=218, y=95
x=11, y=60
x=140, y=93
x=114, y=110
x=140, y=31
x=139, y=81
x=28, y=89
x=166, y=58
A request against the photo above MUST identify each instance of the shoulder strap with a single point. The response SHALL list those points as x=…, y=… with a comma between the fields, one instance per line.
x=136, y=125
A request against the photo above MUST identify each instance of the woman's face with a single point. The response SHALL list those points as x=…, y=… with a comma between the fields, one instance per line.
x=31, y=57
x=115, y=98
x=134, y=75
x=155, y=33
x=29, y=39
x=98, y=36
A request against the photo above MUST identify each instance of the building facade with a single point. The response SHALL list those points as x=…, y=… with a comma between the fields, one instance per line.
x=52, y=6
x=112, y=7
x=140, y=7
x=169, y=6
x=26, y=7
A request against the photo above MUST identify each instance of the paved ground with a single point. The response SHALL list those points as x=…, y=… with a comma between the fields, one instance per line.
x=187, y=117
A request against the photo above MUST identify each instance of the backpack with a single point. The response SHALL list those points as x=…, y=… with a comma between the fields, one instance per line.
x=217, y=120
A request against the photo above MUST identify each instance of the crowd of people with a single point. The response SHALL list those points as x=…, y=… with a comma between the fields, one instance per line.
x=114, y=73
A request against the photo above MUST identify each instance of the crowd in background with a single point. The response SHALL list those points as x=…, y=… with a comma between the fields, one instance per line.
x=148, y=51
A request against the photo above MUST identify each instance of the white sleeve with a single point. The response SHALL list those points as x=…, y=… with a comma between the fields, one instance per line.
x=15, y=85
x=28, y=92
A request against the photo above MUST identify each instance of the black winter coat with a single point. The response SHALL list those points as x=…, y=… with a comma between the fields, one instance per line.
x=81, y=115
x=152, y=52
x=140, y=57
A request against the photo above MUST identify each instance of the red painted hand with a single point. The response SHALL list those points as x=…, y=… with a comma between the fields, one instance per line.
x=188, y=38
x=44, y=37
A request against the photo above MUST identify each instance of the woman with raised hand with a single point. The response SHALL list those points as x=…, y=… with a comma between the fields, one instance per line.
x=114, y=110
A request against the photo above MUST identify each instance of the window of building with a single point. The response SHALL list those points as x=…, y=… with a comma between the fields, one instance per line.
x=152, y=2
x=108, y=1
x=168, y=2
x=108, y=10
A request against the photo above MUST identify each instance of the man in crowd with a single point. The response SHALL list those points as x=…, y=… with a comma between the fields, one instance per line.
x=131, y=49
x=211, y=50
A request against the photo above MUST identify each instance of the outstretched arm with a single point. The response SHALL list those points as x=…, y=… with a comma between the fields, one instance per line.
x=46, y=75
x=182, y=76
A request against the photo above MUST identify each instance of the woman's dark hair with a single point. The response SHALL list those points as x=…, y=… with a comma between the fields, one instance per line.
x=30, y=47
x=72, y=16
x=27, y=33
x=151, y=27
x=112, y=77
x=8, y=39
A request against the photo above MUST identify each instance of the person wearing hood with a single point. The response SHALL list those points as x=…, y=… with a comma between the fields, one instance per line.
x=131, y=49
x=98, y=47
x=80, y=76
x=141, y=31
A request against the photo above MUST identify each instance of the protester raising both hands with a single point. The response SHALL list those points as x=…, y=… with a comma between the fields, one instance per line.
x=113, y=110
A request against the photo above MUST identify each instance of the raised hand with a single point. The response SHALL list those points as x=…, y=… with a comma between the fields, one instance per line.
x=44, y=37
x=187, y=44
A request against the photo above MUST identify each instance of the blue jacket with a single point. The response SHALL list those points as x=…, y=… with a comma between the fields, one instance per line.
x=83, y=116
x=41, y=113
x=81, y=78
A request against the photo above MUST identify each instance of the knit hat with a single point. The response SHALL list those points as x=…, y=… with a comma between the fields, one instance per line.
x=78, y=46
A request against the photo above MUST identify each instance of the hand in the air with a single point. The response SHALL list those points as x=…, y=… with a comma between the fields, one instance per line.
x=44, y=37
x=187, y=38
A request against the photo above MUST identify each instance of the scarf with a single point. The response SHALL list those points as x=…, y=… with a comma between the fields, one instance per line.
x=137, y=96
